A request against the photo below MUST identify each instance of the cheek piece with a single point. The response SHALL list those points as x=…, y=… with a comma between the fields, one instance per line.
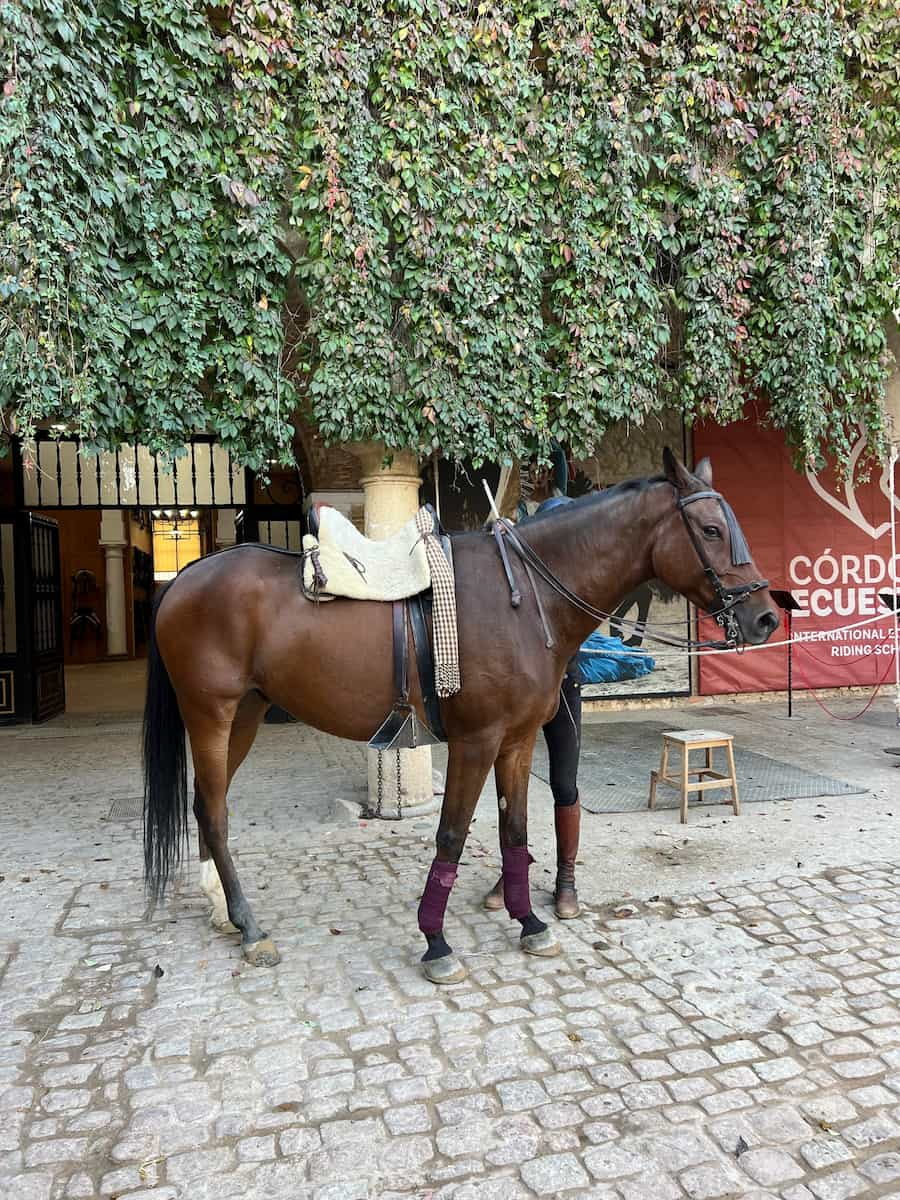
x=516, y=861
x=433, y=904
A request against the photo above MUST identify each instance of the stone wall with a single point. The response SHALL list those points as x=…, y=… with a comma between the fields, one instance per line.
x=631, y=451
x=325, y=468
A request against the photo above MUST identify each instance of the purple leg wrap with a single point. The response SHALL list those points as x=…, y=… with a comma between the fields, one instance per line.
x=433, y=904
x=516, y=861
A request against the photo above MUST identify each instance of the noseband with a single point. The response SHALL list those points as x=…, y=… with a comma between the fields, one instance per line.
x=727, y=598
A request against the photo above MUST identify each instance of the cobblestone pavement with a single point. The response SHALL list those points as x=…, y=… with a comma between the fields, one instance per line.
x=738, y=1041
x=744, y=1042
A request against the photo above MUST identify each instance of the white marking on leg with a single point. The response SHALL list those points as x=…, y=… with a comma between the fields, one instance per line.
x=211, y=886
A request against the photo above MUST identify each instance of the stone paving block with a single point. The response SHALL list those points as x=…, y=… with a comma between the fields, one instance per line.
x=882, y=1168
x=517, y=1139
x=858, y=1068
x=558, y=1115
x=712, y=1181
x=554, y=1174
x=645, y=1095
x=520, y=1095
x=879, y=1128
x=687, y=1062
x=740, y=1050
x=613, y=1162
x=57, y=1151
x=501, y=1188
x=840, y=1185
x=474, y=1137
x=771, y=1167
x=650, y=1186
x=830, y=1109
x=257, y=1149
x=825, y=1152
x=779, y=1124
x=197, y=1164
x=775, y=1069
x=32, y=1185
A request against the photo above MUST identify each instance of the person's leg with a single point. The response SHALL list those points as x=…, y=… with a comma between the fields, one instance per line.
x=563, y=738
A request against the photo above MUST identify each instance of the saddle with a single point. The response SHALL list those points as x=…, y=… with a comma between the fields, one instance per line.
x=412, y=569
x=340, y=561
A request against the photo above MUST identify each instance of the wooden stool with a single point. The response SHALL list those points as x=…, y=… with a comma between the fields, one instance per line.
x=688, y=740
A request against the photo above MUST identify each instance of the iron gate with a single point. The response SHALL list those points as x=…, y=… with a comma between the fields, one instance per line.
x=32, y=676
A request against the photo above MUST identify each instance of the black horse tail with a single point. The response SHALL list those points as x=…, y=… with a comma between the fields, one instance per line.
x=165, y=773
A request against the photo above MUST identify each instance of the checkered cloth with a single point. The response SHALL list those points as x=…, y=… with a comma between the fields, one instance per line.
x=446, y=647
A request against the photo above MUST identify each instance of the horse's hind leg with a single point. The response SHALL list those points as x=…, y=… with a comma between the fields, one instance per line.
x=210, y=749
x=250, y=713
x=512, y=771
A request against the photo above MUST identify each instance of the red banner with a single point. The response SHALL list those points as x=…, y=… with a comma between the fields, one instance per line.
x=826, y=542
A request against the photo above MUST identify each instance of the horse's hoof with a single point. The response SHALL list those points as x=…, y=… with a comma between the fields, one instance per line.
x=444, y=970
x=263, y=953
x=493, y=901
x=222, y=924
x=543, y=944
x=566, y=905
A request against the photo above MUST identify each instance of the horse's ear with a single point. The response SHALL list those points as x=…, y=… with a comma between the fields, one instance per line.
x=703, y=471
x=676, y=473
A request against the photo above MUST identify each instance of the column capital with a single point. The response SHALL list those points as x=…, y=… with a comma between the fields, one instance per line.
x=372, y=455
x=112, y=527
x=226, y=531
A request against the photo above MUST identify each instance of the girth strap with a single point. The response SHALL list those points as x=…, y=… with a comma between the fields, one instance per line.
x=401, y=652
x=401, y=729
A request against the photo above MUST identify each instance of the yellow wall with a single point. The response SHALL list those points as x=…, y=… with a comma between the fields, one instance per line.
x=171, y=554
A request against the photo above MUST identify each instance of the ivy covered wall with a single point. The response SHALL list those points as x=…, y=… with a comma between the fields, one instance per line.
x=470, y=227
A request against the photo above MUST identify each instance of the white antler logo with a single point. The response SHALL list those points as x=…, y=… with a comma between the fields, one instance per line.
x=849, y=507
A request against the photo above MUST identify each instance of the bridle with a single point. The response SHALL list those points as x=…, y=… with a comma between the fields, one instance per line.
x=728, y=598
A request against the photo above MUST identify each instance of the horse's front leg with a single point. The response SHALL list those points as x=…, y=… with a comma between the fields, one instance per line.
x=467, y=767
x=512, y=771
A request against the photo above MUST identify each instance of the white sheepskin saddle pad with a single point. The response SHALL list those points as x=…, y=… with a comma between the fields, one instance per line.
x=361, y=569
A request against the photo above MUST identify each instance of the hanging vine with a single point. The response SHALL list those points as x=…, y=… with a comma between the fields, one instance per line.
x=483, y=227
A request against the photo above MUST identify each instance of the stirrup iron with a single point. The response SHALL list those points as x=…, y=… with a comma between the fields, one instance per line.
x=402, y=730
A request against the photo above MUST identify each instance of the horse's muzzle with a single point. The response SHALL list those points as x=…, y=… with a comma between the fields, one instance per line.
x=764, y=625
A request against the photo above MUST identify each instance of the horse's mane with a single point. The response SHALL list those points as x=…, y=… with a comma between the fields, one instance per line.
x=599, y=499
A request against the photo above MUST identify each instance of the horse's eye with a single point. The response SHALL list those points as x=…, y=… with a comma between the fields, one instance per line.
x=712, y=532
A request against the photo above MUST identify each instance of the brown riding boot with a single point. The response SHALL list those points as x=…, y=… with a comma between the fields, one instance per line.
x=568, y=827
x=493, y=901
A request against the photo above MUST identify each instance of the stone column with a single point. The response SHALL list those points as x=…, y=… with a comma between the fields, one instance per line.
x=114, y=540
x=391, y=498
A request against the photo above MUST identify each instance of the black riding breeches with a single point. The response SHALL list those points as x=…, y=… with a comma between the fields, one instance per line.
x=563, y=738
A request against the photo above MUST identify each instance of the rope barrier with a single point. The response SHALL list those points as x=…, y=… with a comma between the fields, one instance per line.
x=866, y=706
x=794, y=641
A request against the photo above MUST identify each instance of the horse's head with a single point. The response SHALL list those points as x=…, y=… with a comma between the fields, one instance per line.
x=701, y=552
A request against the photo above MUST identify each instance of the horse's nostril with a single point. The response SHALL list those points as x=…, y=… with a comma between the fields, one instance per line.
x=767, y=622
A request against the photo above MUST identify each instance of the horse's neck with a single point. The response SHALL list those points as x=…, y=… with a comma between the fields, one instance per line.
x=599, y=551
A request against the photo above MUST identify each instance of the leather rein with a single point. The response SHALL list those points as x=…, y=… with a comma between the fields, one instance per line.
x=728, y=598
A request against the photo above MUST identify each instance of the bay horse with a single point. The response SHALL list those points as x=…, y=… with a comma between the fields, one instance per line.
x=234, y=634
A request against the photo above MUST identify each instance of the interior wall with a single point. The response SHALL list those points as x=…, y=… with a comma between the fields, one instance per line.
x=7, y=488
x=80, y=549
